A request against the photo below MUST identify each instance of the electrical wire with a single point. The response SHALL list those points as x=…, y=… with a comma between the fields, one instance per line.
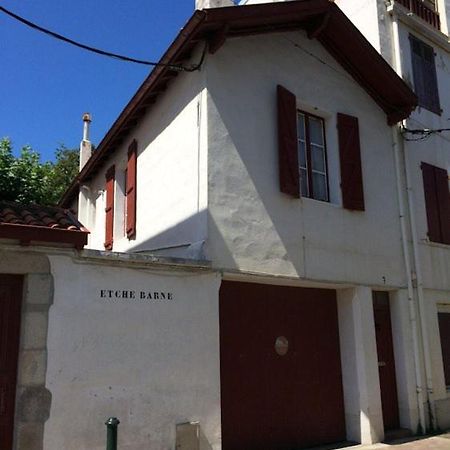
x=425, y=133
x=174, y=67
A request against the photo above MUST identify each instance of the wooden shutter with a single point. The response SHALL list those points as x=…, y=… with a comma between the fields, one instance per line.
x=424, y=73
x=287, y=143
x=109, y=210
x=131, y=189
x=431, y=202
x=350, y=159
x=430, y=80
x=437, y=202
x=443, y=200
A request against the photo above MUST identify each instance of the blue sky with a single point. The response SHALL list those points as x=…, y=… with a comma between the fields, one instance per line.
x=47, y=85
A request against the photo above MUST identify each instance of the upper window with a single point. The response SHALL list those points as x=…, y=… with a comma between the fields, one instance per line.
x=302, y=154
x=312, y=157
x=424, y=73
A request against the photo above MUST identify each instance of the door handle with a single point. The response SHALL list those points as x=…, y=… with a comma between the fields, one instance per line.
x=381, y=364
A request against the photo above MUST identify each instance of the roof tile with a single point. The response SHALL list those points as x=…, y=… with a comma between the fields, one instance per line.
x=38, y=216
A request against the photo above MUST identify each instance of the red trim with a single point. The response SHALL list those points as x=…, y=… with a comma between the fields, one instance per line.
x=321, y=18
x=28, y=233
x=130, y=190
x=109, y=209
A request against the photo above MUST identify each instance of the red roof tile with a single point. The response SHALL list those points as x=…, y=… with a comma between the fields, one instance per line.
x=40, y=223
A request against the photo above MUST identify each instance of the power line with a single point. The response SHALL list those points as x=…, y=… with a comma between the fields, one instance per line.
x=178, y=68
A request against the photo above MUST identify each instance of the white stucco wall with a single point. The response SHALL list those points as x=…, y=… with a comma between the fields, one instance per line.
x=171, y=174
x=252, y=226
x=151, y=363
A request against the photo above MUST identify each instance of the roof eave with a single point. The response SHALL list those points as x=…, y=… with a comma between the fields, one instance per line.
x=391, y=93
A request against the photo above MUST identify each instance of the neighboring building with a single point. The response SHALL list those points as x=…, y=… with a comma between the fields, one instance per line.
x=413, y=36
x=26, y=294
x=258, y=177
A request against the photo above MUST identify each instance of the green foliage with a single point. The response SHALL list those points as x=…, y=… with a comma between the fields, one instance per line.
x=25, y=179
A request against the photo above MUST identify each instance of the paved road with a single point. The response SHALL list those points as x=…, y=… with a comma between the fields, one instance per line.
x=441, y=442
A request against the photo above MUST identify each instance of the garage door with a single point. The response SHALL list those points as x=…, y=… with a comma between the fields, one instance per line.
x=281, y=383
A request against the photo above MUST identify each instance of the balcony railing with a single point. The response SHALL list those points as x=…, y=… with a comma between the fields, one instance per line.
x=420, y=9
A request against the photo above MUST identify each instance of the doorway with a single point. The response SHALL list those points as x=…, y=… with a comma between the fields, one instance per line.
x=386, y=361
x=10, y=311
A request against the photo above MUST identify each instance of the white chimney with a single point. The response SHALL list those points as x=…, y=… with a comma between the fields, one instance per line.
x=202, y=4
x=85, y=154
x=85, y=145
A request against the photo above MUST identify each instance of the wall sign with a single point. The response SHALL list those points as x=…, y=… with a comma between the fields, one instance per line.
x=130, y=294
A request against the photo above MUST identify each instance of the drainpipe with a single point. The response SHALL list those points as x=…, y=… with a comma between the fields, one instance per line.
x=418, y=271
x=411, y=303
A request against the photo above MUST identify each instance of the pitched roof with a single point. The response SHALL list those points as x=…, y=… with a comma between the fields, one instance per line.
x=28, y=223
x=322, y=19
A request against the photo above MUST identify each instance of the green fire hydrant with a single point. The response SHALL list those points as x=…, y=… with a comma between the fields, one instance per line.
x=111, y=433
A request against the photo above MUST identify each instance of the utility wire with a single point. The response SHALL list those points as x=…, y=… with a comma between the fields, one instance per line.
x=178, y=68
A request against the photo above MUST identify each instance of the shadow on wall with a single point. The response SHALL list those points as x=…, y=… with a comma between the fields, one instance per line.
x=177, y=242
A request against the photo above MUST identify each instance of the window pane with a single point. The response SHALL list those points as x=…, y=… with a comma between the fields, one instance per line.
x=315, y=131
x=320, y=186
x=301, y=126
x=301, y=154
x=318, y=158
x=304, y=183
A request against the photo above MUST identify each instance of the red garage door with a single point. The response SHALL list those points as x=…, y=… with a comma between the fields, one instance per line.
x=10, y=302
x=281, y=383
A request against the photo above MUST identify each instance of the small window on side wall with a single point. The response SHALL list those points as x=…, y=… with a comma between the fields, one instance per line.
x=424, y=73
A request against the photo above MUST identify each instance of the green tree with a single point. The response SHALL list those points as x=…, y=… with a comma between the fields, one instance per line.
x=26, y=179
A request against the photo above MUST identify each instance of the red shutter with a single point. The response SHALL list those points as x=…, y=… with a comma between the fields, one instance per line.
x=131, y=189
x=109, y=210
x=287, y=143
x=350, y=159
x=437, y=203
x=443, y=198
x=431, y=202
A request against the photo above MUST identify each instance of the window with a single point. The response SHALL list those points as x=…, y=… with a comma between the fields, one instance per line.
x=302, y=155
x=312, y=158
x=444, y=332
x=437, y=203
x=424, y=73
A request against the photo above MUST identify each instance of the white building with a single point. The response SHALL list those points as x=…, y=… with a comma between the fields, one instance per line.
x=261, y=160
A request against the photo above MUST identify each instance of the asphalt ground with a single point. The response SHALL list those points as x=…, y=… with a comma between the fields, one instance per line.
x=438, y=442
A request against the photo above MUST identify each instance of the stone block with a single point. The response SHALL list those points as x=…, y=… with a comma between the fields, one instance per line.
x=34, y=331
x=38, y=289
x=33, y=405
x=29, y=436
x=32, y=367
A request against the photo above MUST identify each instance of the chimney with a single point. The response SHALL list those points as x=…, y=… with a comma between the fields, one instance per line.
x=203, y=4
x=85, y=145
